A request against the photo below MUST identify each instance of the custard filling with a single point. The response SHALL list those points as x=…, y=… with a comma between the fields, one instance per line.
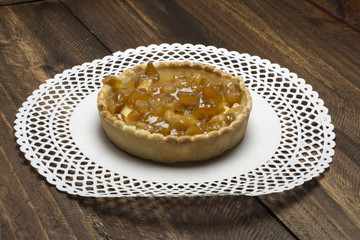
x=180, y=102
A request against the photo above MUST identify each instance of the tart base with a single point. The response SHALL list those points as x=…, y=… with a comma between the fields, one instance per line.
x=170, y=150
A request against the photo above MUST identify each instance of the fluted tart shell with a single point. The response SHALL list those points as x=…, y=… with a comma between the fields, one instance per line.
x=172, y=148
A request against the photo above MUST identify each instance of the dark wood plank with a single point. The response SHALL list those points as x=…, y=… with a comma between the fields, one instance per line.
x=224, y=217
x=15, y=207
x=345, y=10
x=320, y=209
x=243, y=27
x=136, y=23
x=298, y=35
x=34, y=47
x=146, y=20
x=313, y=45
x=13, y=2
x=338, y=189
x=331, y=67
x=41, y=39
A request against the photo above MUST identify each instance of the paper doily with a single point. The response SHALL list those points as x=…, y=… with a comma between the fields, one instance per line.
x=304, y=151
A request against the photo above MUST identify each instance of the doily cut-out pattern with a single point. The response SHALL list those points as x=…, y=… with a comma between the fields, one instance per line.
x=305, y=149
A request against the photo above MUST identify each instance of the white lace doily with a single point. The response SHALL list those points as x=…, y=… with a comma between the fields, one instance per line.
x=303, y=133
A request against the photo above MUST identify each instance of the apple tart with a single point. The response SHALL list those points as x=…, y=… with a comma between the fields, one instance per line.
x=174, y=111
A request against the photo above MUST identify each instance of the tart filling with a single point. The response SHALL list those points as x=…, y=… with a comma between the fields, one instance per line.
x=169, y=111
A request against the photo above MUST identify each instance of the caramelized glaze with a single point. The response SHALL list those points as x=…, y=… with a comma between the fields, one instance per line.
x=187, y=103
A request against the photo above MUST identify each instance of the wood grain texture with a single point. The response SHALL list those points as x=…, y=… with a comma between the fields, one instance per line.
x=131, y=24
x=300, y=36
x=39, y=40
x=34, y=47
x=344, y=10
x=315, y=39
x=14, y=2
x=187, y=218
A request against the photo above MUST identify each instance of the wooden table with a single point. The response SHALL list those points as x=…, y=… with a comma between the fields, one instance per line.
x=318, y=40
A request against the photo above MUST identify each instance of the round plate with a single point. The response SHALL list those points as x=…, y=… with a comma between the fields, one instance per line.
x=289, y=139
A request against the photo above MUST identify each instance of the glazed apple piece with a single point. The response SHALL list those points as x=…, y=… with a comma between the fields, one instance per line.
x=146, y=80
x=233, y=93
x=189, y=99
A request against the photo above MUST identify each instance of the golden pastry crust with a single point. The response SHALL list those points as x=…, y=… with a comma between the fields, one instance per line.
x=170, y=148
